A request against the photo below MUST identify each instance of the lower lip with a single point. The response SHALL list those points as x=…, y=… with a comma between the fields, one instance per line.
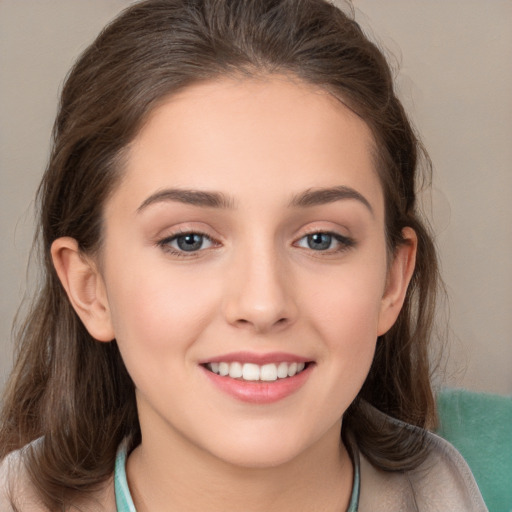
x=259, y=392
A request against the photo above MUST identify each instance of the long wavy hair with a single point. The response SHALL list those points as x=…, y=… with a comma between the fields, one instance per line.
x=74, y=392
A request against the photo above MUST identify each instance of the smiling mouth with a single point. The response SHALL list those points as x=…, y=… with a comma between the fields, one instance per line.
x=253, y=372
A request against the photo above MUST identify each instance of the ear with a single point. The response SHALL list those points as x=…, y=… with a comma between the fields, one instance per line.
x=398, y=278
x=84, y=286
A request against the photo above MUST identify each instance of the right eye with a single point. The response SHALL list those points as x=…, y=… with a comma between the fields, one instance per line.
x=187, y=243
x=318, y=241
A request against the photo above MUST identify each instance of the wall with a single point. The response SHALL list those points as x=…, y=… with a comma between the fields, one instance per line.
x=455, y=80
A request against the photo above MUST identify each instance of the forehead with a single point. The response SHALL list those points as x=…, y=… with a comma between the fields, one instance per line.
x=250, y=137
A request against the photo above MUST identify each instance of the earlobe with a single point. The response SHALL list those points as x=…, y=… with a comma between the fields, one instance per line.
x=398, y=279
x=84, y=287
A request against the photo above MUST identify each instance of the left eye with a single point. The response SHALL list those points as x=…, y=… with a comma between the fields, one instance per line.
x=324, y=241
x=188, y=242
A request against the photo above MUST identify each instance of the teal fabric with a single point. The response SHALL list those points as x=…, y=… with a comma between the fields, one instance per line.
x=124, y=502
x=479, y=425
x=356, y=486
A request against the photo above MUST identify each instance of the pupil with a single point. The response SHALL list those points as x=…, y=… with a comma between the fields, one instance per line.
x=319, y=241
x=191, y=242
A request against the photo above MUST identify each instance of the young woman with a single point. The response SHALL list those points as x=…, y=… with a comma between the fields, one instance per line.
x=239, y=289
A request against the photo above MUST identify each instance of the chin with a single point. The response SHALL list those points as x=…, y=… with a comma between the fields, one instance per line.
x=258, y=459
x=260, y=452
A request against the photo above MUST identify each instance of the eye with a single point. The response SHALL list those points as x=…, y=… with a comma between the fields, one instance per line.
x=187, y=242
x=324, y=241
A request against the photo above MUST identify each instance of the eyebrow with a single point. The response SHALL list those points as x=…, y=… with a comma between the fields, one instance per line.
x=308, y=198
x=319, y=196
x=187, y=196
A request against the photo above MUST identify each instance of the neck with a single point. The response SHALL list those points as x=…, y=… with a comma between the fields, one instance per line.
x=171, y=476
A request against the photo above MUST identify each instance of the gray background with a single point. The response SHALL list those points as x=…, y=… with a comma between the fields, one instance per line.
x=456, y=81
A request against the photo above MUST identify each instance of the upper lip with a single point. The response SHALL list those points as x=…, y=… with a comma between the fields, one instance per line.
x=255, y=358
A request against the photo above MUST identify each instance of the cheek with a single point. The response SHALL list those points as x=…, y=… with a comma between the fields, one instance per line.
x=348, y=325
x=344, y=314
x=346, y=304
x=157, y=320
x=344, y=322
x=158, y=312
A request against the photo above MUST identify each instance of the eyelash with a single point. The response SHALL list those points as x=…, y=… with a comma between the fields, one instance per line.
x=345, y=243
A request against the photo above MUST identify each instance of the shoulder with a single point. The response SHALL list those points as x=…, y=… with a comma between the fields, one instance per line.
x=17, y=491
x=442, y=482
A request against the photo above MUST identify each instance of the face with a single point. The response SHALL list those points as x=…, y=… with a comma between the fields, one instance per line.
x=247, y=237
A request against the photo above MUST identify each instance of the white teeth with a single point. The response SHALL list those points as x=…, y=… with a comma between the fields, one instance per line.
x=235, y=370
x=223, y=369
x=253, y=372
x=268, y=372
x=282, y=370
x=292, y=369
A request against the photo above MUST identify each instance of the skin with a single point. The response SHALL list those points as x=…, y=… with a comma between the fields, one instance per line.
x=254, y=285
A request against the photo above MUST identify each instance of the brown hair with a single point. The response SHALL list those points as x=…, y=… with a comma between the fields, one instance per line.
x=74, y=392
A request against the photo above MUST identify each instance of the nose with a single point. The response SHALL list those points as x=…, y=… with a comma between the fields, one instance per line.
x=260, y=292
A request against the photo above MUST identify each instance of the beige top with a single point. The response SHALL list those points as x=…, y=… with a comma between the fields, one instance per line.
x=442, y=483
